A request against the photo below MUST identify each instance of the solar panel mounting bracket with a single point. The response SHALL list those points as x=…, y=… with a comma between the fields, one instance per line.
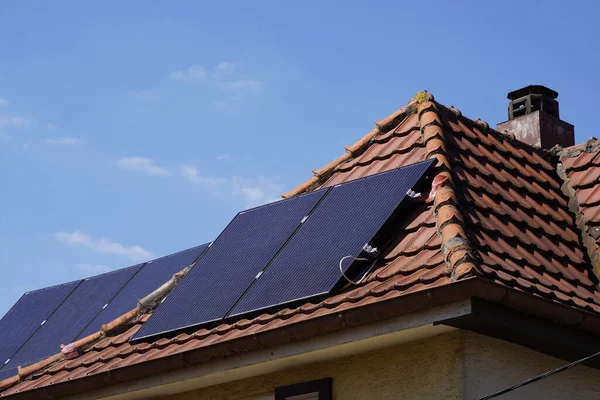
x=372, y=252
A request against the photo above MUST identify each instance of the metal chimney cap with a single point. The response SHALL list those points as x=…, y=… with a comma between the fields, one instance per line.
x=532, y=89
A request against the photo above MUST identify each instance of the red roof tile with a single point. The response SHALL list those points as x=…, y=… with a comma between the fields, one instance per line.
x=582, y=173
x=500, y=217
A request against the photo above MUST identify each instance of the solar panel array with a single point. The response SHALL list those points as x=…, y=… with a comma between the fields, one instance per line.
x=345, y=221
x=267, y=257
x=230, y=265
x=43, y=319
x=284, y=252
x=151, y=276
x=27, y=315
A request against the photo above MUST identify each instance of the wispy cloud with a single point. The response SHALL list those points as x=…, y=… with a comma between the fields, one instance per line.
x=15, y=122
x=93, y=269
x=107, y=246
x=5, y=136
x=195, y=73
x=257, y=191
x=142, y=165
x=193, y=175
x=224, y=157
x=224, y=68
x=3, y=102
x=63, y=141
x=253, y=191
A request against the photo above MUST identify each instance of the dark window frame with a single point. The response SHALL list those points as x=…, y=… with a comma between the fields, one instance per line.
x=322, y=386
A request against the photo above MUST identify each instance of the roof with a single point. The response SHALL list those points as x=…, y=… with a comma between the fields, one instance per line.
x=499, y=224
x=581, y=170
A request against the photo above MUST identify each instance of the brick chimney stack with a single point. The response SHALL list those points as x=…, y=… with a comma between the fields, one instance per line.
x=533, y=117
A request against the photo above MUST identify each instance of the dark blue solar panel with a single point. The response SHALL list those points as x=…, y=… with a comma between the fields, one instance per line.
x=22, y=320
x=73, y=315
x=150, y=277
x=7, y=373
x=345, y=221
x=230, y=265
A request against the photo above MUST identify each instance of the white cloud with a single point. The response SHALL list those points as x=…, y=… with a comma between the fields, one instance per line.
x=65, y=141
x=225, y=68
x=254, y=191
x=76, y=238
x=3, y=102
x=224, y=157
x=5, y=136
x=93, y=269
x=143, y=165
x=15, y=122
x=192, y=174
x=194, y=73
x=257, y=191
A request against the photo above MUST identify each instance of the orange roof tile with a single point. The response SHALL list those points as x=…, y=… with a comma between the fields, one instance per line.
x=499, y=221
x=582, y=171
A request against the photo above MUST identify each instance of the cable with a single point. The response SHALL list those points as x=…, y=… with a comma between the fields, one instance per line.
x=355, y=259
x=542, y=376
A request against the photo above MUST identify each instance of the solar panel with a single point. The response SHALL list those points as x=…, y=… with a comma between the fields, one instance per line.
x=7, y=373
x=31, y=310
x=230, y=265
x=346, y=220
x=150, y=277
x=73, y=315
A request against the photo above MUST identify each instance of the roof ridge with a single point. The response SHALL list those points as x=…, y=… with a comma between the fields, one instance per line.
x=592, y=145
x=321, y=174
x=460, y=256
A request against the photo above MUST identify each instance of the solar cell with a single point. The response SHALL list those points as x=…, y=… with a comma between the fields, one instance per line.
x=75, y=312
x=31, y=310
x=230, y=265
x=150, y=277
x=346, y=220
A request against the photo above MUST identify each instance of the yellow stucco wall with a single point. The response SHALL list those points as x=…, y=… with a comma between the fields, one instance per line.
x=430, y=369
x=491, y=365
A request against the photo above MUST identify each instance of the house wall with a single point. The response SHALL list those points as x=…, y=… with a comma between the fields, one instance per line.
x=491, y=365
x=429, y=369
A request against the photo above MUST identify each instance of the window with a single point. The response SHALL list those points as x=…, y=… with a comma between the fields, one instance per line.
x=313, y=390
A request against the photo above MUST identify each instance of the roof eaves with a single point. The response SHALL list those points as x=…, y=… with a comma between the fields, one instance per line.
x=329, y=322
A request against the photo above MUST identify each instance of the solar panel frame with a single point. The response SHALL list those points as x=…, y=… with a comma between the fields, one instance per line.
x=229, y=266
x=147, y=279
x=75, y=312
x=308, y=265
x=25, y=317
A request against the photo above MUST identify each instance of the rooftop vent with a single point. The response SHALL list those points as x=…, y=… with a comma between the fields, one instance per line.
x=533, y=117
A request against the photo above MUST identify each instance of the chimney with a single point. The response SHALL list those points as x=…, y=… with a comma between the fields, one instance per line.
x=534, y=119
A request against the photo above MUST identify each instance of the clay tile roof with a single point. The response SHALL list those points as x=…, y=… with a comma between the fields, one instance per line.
x=499, y=217
x=581, y=170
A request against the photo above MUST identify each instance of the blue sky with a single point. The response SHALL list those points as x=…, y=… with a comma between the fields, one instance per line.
x=131, y=130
